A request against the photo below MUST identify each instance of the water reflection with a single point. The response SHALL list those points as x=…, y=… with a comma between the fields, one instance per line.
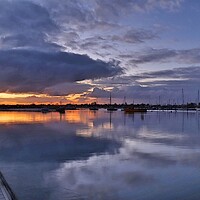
x=77, y=116
x=101, y=155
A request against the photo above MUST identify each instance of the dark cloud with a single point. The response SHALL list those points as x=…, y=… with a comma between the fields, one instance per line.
x=165, y=55
x=33, y=36
x=35, y=41
x=97, y=92
x=154, y=55
x=187, y=72
x=66, y=89
x=33, y=71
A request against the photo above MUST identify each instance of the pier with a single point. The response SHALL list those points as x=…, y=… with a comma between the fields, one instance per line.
x=5, y=191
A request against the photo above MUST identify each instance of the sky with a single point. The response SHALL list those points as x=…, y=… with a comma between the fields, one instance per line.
x=78, y=51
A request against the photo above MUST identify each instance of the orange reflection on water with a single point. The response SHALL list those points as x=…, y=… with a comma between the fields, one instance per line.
x=81, y=116
x=24, y=117
x=77, y=116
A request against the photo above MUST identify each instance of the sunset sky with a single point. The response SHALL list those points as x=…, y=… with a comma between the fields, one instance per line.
x=77, y=51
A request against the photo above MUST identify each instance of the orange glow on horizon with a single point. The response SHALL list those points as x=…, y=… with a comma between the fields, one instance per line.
x=27, y=99
x=14, y=95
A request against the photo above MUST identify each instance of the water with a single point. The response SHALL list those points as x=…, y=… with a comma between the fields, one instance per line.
x=100, y=155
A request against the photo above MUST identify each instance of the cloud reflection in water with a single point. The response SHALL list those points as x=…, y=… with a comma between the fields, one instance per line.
x=86, y=155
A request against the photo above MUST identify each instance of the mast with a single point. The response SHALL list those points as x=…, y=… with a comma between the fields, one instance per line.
x=110, y=99
x=183, y=100
x=124, y=99
x=198, y=99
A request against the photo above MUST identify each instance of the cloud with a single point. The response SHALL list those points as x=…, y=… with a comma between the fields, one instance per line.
x=66, y=89
x=147, y=87
x=190, y=56
x=18, y=15
x=37, y=36
x=33, y=71
x=113, y=8
x=187, y=72
x=24, y=24
x=46, y=24
x=97, y=92
x=135, y=36
x=101, y=17
x=33, y=36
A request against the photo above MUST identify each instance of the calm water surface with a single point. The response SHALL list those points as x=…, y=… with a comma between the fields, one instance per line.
x=101, y=155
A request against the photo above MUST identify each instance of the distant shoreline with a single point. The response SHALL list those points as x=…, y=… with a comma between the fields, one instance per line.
x=53, y=108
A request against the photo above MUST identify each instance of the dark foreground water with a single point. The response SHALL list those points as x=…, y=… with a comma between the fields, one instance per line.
x=101, y=155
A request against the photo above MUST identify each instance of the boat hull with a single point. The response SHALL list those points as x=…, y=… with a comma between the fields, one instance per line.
x=93, y=109
x=111, y=109
x=135, y=110
x=61, y=110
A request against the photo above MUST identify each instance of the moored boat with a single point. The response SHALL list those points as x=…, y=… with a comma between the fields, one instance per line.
x=45, y=110
x=93, y=108
x=61, y=110
x=134, y=110
x=72, y=107
x=111, y=109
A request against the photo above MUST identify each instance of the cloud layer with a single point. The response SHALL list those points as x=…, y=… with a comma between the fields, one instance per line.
x=147, y=87
x=33, y=71
x=76, y=46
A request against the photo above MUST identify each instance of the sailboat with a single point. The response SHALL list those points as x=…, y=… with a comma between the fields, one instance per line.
x=45, y=110
x=124, y=104
x=198, y=108
x=132, y=109
x=111, y=108
x=61, y=109
x=93, y=107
